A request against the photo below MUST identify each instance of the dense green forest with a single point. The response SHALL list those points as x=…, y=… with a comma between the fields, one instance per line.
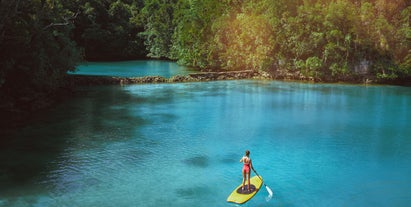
x=329, y=40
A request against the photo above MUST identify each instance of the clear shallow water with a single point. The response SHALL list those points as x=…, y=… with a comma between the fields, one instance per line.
x=179, y=145
x=137, y=68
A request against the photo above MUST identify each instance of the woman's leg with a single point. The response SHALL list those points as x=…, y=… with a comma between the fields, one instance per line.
x=249, y=186
x=244, y=178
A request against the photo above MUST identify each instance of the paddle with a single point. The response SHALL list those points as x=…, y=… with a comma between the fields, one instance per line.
x=270, y=192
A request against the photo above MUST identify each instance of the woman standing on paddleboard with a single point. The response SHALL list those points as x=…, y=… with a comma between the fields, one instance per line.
x=246, y=168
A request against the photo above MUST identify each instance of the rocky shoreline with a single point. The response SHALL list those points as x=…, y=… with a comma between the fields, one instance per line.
x=88, y=80
x=204, y=76
x=84, y=80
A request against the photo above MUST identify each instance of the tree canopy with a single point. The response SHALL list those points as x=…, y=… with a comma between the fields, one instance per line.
x=37, y=49
x=328, y=40
x=322, y=39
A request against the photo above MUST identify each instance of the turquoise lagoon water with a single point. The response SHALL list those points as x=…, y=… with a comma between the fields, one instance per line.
x=136, y=68
x=180, y=145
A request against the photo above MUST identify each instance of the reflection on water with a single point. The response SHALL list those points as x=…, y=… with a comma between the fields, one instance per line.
x=179, y=145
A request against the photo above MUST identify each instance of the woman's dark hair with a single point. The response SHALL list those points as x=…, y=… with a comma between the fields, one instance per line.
x=247, y=152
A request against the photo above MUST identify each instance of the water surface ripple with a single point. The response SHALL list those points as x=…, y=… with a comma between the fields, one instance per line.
x=179, y=145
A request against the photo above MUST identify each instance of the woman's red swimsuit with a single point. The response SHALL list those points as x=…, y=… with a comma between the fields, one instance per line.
x=246, y=167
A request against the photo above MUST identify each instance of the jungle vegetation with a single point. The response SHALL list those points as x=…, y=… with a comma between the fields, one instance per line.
x=333, y=40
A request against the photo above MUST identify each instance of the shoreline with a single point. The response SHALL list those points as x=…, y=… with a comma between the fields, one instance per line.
x=88, y=80
x=205, y=76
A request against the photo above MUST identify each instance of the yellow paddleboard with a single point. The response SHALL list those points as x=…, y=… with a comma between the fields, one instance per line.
x=241, y=196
